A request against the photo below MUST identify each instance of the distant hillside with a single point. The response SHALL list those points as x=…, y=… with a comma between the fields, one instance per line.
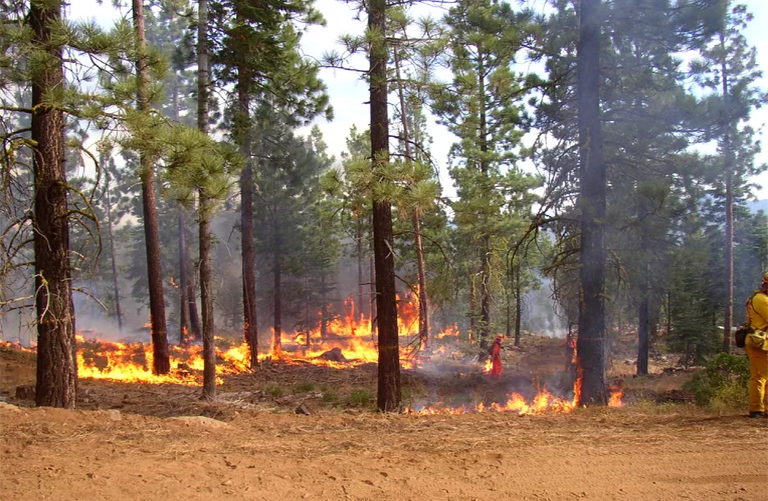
x=758, y=205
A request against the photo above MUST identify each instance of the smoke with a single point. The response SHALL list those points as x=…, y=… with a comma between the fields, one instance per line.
x=541, y=313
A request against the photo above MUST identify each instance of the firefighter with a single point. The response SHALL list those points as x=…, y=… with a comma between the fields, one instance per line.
x=756, y=346
x=496, y=357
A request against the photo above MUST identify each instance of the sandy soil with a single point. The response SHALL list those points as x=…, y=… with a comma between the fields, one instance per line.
x=161, y=442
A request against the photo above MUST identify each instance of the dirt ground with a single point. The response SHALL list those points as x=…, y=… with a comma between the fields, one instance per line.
x=131, y=441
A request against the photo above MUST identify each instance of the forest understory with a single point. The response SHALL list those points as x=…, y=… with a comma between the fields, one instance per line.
x=294, y=430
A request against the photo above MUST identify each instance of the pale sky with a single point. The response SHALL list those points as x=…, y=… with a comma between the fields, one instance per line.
x=348, y=94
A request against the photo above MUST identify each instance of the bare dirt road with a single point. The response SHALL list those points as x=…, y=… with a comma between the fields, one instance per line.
x=629, y=453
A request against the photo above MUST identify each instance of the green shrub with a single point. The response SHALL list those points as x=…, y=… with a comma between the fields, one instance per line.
x=360, y=397
x=304, y=387
x=722, y=383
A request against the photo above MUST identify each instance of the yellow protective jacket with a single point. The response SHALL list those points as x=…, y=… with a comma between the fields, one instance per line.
x=757, y=311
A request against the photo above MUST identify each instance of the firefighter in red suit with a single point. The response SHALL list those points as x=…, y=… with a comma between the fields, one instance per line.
x=496, y=357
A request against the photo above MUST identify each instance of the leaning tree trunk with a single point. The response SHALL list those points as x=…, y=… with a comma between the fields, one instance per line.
x=591, y=340
x=250, y=331
x=56, y=347
x=206, y=298
x=383, y=241
x=160, y=359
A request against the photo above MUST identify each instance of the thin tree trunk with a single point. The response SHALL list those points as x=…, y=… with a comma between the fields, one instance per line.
x=422, y=278
x=372, y=288
x=112, y=254
x=183, y=274
x=518, y=305
x=360, y=281
x=250, y=325
x=643, y=316
x=183, y=281
x=389, y=396
x=56, y=384
x=324, y=309
x=591, y=340
x=161, y=363
x=485, y=248
x=727, y=154
x=277, y=336
x=206, y=298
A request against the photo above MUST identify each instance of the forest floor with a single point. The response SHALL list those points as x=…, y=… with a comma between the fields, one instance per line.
x=144, y=441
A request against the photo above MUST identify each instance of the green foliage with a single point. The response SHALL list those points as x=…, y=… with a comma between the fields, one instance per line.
x=723, y=382
x=360, y=397
x=304, y=387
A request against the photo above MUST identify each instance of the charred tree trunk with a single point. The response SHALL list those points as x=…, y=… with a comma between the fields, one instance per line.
x=250, y=325
x=277, y=336
x=383, y=241
x=56, y=347
x=160, y=360
x=206, y=298
x=591, y=340
x=112, y=253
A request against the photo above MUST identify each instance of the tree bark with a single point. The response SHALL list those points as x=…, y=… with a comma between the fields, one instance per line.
x=643, y=316
x=388, y=399
x=160, y=359
x=591, y=340
x=56, y=384
x=278, y=279
x=250, y=324
x=518, y=305
x=183, y=279
x=206, y=298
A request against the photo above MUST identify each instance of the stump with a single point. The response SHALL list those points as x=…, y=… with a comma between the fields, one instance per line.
x=334, y=355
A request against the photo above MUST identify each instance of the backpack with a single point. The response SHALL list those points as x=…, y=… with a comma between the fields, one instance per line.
x=740, y=336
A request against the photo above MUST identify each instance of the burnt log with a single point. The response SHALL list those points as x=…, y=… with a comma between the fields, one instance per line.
x=333, y=355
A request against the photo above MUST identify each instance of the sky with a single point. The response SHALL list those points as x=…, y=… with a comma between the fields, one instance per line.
x=349, y=94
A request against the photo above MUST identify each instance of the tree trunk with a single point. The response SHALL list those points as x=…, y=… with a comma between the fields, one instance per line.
x=206, y=298
x=56, y=346
x=591, y=340
x=383, y=241
x=183, y=279
x=518, y=305
x=250, y=325
x=422, y=275
x=277, y=336
x=727, y=154
x=324, y=309
x=372, y=288
x=112, y=254
x=485, y=248
x=360, y=281
x=643, y=316
x=160, y=359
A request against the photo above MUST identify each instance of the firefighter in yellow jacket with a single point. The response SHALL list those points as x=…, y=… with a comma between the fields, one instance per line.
x=756, y=346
